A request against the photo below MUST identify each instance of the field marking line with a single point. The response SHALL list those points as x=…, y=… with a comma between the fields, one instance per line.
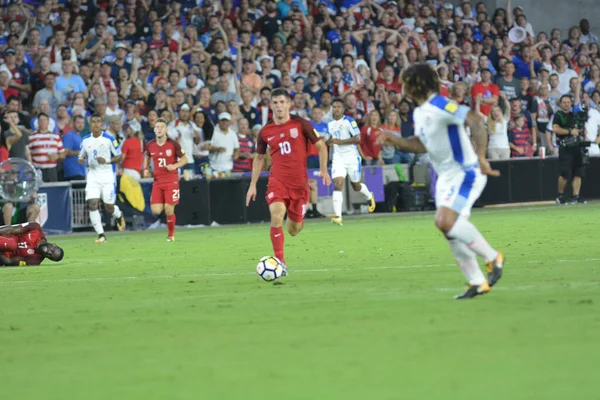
x=358, y=217
x=219, y=274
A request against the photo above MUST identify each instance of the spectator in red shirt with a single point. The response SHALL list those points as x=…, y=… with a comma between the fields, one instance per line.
x=368, y=137
x=487, y=91
x=133, y=152
x=520, y=138
x=388, y=79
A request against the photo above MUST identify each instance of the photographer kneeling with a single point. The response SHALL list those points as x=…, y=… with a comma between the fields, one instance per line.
x=568, y=126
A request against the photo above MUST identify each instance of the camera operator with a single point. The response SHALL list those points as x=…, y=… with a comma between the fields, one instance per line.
x=570, y=157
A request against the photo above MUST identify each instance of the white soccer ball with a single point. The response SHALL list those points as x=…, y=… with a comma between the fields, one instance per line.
x=269, y=268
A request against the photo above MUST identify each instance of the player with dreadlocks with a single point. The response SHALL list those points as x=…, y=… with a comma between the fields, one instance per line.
x=440, y=131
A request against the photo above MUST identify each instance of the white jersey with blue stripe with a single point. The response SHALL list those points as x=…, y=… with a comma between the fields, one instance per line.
x=105, y=146
x=344, y=128
x=440, y=125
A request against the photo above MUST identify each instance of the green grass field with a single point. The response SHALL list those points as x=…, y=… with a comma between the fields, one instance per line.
x=366, y=313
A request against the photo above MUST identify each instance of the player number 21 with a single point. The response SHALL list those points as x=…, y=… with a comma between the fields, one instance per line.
x=162, y=162
x=175, y=194
x=285, y=147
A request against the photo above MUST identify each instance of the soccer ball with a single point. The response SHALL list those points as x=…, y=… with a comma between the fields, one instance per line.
x=269, y=268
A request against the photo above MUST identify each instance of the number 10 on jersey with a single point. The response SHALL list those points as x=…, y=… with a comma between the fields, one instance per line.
x=285, y=148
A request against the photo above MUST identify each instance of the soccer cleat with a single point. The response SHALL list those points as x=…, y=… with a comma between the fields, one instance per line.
x=494, y=269
x=284, y=270
x=101, y=238
x=473, y=291
x=121, y=223
x=170, y=238
x=337, y=221
x=371, y=202
x=561, y=200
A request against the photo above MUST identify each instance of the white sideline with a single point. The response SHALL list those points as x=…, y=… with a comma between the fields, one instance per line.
x=294, y=271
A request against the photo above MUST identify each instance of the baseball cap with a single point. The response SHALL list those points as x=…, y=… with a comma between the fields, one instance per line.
x=120, y=45
x=9, y=52
x=129, y=101
x=184, y=106
x=225, y=116
x=164, y=60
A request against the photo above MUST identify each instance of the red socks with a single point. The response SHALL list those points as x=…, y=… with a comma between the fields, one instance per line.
x=277, y=239
x=9, y=244
x=171, y=224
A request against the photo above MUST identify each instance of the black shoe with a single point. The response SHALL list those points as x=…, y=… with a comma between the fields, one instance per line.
x=561, y=200
x=473, y=291
x=310, y=214
x=577, y=200
x=317, y=214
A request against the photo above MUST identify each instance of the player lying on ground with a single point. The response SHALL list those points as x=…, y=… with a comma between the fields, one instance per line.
x=345, y=136
x=102, y=153
x=164, y=153
x=287, y=189
x=440, y=131
x=26, y=244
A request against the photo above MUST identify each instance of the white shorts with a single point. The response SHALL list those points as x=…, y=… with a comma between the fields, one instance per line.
x=459, y=191
x=105, y=190
x=340, y=167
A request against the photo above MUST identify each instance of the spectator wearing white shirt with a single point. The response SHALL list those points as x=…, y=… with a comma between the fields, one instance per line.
x=592, y=125
x=112, y=106
x=586, y=35
x=564, y=74
x=224, y=146
x=186, y=133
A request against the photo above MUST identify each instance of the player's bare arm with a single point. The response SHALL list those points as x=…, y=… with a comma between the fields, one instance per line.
x=113, y=160
x=324, y=173
x=341, y=142
x=257, y=167
x=479, y=136
x=410, y=145
x=145, y=170
x=19, y=229
x=182, y=161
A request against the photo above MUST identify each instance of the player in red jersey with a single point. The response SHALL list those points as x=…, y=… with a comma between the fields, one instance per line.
x=165, y=191
x=26, y=244
x=287, y=190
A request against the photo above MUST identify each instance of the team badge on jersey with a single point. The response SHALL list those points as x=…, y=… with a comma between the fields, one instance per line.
x=451, y=107
x=294, y=133
x=169, y=152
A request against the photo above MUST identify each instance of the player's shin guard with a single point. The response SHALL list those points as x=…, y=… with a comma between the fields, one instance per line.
x=96, y=220
x=466, y=232
x=117, y=213
x=338, y=201
x=467, y=262
x=365, y=191
x=8, y=244
x=171, y=219
x=277, y=239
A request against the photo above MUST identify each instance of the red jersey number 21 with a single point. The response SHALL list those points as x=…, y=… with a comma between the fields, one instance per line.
x=285, y=147
x=162, y=162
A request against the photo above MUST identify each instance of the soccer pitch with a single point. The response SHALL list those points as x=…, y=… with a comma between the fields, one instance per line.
x=366, y=313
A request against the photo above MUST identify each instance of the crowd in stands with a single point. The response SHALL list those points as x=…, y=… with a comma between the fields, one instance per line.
x=208, y=68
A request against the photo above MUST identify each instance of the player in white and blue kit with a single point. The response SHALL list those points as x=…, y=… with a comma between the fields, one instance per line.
x=345, y=136
x=102, y=152
x=462, y=171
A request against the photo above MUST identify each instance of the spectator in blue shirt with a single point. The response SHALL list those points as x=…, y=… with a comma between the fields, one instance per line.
x=73, y=171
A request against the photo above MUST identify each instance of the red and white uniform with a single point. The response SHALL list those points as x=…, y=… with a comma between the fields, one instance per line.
x=288, y=181
x=165, y=189
x=23, y=246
